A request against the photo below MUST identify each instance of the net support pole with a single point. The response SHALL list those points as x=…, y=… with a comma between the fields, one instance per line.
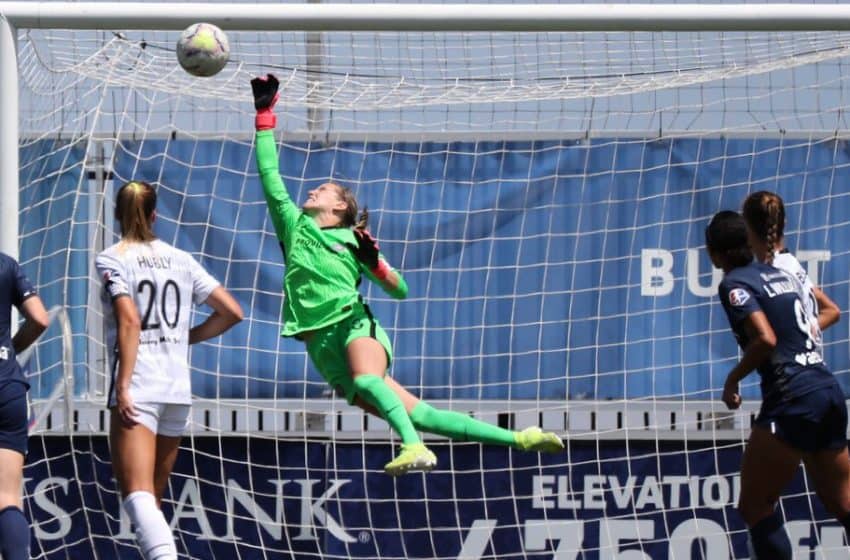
x=8, y=138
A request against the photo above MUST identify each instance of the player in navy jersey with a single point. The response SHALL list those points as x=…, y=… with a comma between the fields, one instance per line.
x=764, y=213
x=151, y=287
x=803, y=415
x=15, y=291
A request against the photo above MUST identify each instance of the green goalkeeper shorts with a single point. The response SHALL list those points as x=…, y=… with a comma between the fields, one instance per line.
x=326, y=348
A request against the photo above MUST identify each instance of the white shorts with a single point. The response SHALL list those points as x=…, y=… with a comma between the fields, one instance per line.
x=164, y=419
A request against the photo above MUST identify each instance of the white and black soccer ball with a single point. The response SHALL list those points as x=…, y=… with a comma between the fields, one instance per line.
x=203, y=49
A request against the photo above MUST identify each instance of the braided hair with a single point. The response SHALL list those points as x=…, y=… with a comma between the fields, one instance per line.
x=764, y=213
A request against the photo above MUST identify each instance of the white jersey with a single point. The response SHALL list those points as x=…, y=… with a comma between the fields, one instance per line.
x=784, y=260
x=163, y=282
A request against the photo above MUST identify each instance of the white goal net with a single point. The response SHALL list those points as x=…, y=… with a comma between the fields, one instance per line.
x=544, y=194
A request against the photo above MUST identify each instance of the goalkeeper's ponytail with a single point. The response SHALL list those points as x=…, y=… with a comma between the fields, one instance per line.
x=349, y=217
x=363, y=220
x=134, y=208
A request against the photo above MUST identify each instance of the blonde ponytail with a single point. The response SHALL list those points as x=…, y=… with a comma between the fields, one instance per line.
x=134, y=208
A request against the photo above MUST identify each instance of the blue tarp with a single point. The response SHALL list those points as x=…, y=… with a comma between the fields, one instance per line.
x=525, y=260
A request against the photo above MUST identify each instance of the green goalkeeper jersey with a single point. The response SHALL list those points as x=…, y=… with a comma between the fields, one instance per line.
x=322, y=274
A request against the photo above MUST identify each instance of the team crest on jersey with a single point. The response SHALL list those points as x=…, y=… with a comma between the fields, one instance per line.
x=738, y=297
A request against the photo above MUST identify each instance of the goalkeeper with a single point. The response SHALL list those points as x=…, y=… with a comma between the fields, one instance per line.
x=327, y=248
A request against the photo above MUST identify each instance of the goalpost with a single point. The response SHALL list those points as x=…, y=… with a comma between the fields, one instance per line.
x=542, y=174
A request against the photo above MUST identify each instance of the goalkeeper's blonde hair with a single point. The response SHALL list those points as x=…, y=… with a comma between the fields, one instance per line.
x=349, y=217
x=134, y=207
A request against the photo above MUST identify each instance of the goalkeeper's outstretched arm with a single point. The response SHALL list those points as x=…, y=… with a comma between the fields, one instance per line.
x=284, y=212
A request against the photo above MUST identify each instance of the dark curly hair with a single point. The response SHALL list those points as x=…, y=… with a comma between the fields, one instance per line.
x=726, y=235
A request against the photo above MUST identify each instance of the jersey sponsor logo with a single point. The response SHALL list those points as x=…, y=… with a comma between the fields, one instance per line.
x=738, y=297
x=808, y=358
x=310, y=243
x=307, y=242
x=159, y=340
x=4, y=353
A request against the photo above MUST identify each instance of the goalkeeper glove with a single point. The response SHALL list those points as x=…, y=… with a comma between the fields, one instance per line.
x=368, y=252
x=265, y=96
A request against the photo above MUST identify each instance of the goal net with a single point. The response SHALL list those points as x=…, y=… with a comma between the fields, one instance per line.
x=544, y=194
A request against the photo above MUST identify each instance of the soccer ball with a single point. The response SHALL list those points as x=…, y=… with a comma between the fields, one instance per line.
x=203, y=49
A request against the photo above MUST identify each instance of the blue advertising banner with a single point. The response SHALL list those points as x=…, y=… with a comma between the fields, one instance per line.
x=537, y=269
x=253, y=498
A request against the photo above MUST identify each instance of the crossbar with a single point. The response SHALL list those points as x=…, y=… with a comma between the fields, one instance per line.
x=431, y=17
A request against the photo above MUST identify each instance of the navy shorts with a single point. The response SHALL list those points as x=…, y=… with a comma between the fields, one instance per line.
x=812, y=422
x=13, y=416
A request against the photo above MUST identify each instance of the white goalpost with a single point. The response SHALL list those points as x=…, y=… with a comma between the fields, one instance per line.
x=542, y=175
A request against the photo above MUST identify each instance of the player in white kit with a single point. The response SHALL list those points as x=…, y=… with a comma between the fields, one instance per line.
x=764, y=214
x=827, y=468
x=152, y=287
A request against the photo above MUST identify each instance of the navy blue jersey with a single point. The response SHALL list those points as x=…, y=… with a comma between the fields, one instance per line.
x=14, y=289
x=795, y=366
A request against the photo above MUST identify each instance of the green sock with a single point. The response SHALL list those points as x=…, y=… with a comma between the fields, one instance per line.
x=378, y=394
x=458, y=426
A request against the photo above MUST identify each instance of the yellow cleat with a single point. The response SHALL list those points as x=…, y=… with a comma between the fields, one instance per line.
x=535, y=439
x=414, y=457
